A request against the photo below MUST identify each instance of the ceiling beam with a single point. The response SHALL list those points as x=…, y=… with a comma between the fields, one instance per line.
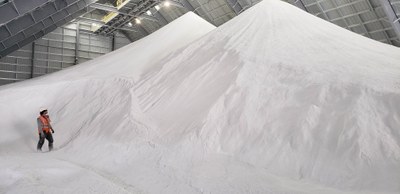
x=99, y=22
x=126, y=35
x=174, y=3
x=206, y=15
x=62, y=13
x=115, y=10
x=161, y=18
x=235, y=5
x=143, y=30
x=344, y=5
x=300, y=4
x=187, y=5
x=147, y=17
x=122, y=20
x=360, y=18
x=16, y=9
x=323, y=11
x=392, y=16
x=104, y=7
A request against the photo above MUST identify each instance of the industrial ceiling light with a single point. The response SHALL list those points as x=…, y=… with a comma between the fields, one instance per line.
x=148, y=12
x=137, y=20
x=157, y=7
x=167, y=4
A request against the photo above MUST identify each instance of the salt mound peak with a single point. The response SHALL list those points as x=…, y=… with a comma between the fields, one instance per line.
x=288, y=92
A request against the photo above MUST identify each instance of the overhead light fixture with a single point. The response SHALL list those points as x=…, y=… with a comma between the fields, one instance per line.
x=137, y=20
x=148, y=12
x=157, y=7
x=167, y=4
x=130, y=24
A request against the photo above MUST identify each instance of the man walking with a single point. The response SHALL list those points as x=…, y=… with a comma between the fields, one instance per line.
x=44, y=129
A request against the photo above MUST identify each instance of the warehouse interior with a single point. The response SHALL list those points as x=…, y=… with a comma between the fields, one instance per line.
x=200, y=96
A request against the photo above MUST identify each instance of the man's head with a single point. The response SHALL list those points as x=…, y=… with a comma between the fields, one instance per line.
x=43, y=111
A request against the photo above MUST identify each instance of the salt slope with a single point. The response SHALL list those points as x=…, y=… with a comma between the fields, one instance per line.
x=89, y=101
x=75, y=88
x=286, y=93
x=87, y=115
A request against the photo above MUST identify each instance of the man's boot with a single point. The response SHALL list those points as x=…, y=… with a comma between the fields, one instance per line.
x=39, y=148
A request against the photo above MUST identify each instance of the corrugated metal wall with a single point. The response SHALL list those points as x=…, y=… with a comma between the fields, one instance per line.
x=56, y=51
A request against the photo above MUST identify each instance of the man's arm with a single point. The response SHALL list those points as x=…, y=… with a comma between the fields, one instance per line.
x=51, y=127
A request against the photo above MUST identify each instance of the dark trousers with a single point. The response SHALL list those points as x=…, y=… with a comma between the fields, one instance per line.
x=49, y=138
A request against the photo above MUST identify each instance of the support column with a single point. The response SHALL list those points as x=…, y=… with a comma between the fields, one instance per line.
x=77, y=45
x=113, y=42
x=33, y=59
